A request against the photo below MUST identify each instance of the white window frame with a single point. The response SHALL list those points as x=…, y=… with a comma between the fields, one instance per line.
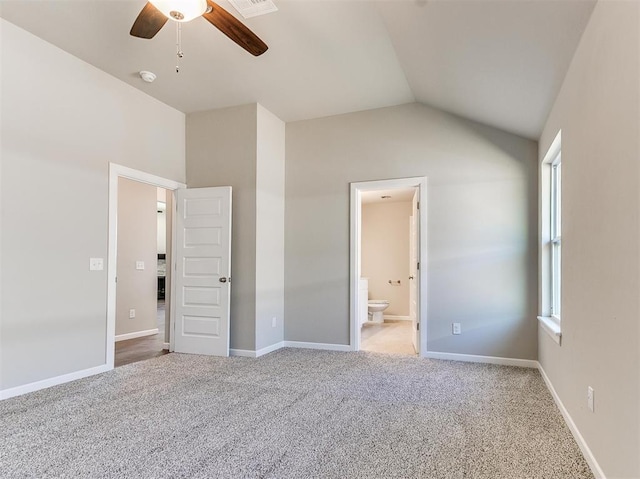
x=551, y=240
x=556, y=237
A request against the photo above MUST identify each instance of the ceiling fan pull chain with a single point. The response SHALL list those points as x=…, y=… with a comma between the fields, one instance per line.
x=179, y=53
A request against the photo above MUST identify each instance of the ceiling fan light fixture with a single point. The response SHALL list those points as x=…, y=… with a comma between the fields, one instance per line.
x=181, y=10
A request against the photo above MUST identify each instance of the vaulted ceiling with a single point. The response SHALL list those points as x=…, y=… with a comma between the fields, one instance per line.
x=500, y=62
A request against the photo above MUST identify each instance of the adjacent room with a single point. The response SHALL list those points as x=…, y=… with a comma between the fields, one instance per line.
x=320, y=239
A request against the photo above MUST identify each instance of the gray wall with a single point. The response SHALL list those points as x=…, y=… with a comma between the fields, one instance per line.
x=269, y=229
x=221, y=151
x=482, y=224
x=137, y=241
x=598, y=111
x=243, y=147
x=63, y=121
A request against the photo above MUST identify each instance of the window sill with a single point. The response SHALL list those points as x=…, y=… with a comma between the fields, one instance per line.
x=551, y=326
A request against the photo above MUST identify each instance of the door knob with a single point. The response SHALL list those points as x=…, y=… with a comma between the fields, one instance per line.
x=223, y=280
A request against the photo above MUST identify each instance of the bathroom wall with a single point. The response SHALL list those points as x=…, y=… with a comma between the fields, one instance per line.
x=385, y=253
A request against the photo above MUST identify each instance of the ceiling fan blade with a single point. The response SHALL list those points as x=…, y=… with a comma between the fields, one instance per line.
x=234, y=29
x=149, y=22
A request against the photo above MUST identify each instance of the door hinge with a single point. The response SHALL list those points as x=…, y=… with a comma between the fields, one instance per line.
x=418, y=264
x=417, y=326
x=418, y=205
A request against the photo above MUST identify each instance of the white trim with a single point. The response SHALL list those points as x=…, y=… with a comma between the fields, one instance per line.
x=551, y=326
x=47, y=383
x=391, y=317
x=323, y=346
x=472, y=358
x=354, y=248
x=248, y=353
x=269, y=349
x=136, y=334
x=544, y=226
x=165, y=346
x=243, y=353
x=582, y=444
x=118, y=171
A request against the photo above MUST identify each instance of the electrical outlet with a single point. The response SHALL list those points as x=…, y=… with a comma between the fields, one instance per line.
x=590, y=398
x=456, y=328
x=140, y=265
x=132, y=313
x=274, y=322
x=96, y=264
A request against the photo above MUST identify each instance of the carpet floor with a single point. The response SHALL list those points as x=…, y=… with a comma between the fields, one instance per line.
x=292, y=414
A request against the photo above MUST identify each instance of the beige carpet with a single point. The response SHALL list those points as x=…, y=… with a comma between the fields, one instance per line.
x=292, y=414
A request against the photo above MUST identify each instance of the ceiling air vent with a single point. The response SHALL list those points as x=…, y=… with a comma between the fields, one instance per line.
x=253, y=8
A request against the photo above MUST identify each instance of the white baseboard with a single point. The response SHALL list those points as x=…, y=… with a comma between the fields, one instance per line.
x=323, y=346
x=582, y=444
x=472, y=358
x=269, y=349
x=136, y=334
x=47, y=383
x=165, y=346
x=391, y=317
x=242, y=353
x=248, y=353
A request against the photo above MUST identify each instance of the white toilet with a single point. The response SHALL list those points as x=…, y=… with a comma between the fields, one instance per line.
x=376, y=307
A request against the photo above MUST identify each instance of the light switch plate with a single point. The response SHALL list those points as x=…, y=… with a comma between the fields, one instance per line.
x=140, y=265
x=96, y=264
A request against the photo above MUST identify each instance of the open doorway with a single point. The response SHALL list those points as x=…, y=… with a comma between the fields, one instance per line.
x=388, y=243
x=143, y=229
x=387, y=274
x=140, y=246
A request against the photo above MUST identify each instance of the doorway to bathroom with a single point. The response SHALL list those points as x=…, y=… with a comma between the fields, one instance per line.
x=388, y=245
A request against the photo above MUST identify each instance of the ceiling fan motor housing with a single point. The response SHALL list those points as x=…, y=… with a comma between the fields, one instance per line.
x=181, y=10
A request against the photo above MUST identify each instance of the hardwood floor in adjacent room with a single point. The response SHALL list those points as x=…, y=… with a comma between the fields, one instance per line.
x=388, y=337
x=139, y=349
x=147, y=347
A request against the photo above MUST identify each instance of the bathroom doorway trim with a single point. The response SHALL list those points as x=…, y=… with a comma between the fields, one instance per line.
x=357, y=188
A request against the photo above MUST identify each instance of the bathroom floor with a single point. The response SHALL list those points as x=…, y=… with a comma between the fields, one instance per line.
x=388, y=337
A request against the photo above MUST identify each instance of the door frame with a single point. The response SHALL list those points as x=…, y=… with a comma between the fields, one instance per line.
x=115, y=172
x=357, y=188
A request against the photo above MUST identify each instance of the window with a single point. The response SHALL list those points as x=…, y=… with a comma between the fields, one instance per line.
x=556, y=230
x=551, y=240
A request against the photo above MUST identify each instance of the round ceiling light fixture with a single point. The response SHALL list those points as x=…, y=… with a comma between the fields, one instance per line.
x=181, y=10
x=147, y=76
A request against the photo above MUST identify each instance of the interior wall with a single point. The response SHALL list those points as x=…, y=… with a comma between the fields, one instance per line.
x=221, y=151
x=385, y=253
x=482, y=224
x=270, y=156
x=162, y=222
x=137, y=241
x=63, y=121
x=598, y=111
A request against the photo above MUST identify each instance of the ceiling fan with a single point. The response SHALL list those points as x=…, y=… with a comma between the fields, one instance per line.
x=156, y=13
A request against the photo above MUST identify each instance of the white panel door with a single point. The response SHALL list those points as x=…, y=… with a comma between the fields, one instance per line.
x=414, y=276
x=203, y=268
